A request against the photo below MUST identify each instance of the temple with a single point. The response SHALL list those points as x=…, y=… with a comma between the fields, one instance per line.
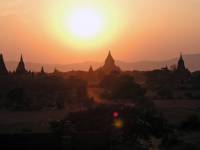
x=90, y=71
x=56, y=71
x=109, y=65
x=3, y=69
x=42, y=70
x=181, y=71
x=21, y=67
x=181, y=64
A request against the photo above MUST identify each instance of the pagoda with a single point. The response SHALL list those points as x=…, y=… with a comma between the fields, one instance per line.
x=3, y=69
x=90, y=71
x=21, y=67
x=181, y=71
x=42, y=71
x=181, y=64
x=109, y=65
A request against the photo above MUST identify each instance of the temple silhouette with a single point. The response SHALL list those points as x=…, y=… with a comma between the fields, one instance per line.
x=3, y=69
x=90, y=71
x=42, y=70
x=181, y=64
x=109, y=65
x=21, y=67
x=181, y=70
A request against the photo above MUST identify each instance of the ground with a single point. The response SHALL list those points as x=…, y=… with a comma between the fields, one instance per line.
x=178, y=110
x=37, y=121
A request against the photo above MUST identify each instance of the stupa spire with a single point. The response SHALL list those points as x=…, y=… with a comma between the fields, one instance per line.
x=42, y=70
x=21, y=66
x=109, y=65
x=181, y=63
x=91, y=69
x=3, y=69
x=109, y=59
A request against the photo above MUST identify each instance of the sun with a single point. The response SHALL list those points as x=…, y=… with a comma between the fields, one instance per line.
x=85, y=23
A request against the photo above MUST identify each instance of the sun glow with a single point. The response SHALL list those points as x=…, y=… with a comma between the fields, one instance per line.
x=85, y=23
x=84, y=27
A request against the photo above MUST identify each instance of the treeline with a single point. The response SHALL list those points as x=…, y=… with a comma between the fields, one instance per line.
x=121, y=86
x=36, y=92
x=157, y=84
x=171, y=85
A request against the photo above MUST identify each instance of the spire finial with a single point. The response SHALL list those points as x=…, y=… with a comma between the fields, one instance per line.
x=3, y=69
x=109, y=54
x=21, y=58
x=90, y=69
x=181, y=55
x=21, y=67
x=42, y=70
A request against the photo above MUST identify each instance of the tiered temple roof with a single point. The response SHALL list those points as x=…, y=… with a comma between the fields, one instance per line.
x=181, y=64
x=109, y=65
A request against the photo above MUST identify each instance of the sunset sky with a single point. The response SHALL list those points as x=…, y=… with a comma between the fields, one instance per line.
x=49, y=31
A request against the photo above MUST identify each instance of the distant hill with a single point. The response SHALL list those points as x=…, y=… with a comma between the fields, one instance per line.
x=192, y=62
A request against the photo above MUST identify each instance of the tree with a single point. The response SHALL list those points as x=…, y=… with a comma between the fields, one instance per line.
x=122, y=87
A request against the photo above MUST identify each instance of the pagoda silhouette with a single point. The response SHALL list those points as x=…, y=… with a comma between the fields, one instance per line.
x=181, y=71
x=181, y=64
x=90, y=71
x=109, y=65
x=3, y=69
x=21, y=67
x=42, y=72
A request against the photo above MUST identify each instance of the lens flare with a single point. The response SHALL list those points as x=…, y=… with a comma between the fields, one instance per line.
x=115, y=114
x=118, y=123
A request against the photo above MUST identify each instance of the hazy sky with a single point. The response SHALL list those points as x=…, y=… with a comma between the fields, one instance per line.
x=133, y=30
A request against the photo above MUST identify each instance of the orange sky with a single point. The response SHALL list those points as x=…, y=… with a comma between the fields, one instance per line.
x=135, y=30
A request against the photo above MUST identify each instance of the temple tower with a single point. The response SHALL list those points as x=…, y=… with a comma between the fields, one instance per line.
x=42, y=70
x=3, y=69
x=109, y=65
x=109, y=62
x=21, y=67
x=90, y=71
x=181, y=64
